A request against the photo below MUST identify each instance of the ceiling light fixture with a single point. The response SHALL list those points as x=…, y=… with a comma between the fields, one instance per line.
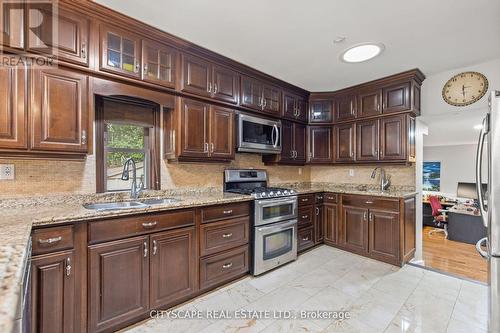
x=362, y=52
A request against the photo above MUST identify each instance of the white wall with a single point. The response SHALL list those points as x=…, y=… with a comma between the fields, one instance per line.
x=458, y=164
x=451, y=125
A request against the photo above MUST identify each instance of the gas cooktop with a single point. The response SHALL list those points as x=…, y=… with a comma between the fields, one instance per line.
x=252, y=182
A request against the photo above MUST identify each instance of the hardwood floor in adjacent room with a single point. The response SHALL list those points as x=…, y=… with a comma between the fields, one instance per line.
x=453, y=257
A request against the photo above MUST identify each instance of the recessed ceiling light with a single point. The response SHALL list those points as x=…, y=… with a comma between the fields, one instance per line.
x=478, y=127
x=362, y=52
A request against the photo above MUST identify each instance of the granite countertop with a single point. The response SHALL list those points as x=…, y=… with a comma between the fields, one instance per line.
x=19, y=215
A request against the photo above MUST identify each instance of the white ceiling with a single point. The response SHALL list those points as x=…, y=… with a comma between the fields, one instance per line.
x=293, y=39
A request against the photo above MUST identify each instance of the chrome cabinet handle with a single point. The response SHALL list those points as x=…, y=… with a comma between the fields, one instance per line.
x=369, y=202
x=212, y=147
x=68, y=266
x=210, y=87
x=305, y=238
x=260, y=101
x=371, y=216
x=149, y=224
x=145, y=244
x=479, y=176
x=305, y=216
x=225, y=212
x=136, y=68
x=50, y=241
x=482, y=252
x=145, y=69
x=84, y=137
x=227, y=235
x=155, y=247
x=228, y=265
x=292, y=153
x=215, y=88
x=352, y=154
x=317, y=211
x=84, y=51
x=205, y=147
x=378, y=106
x=364, y=216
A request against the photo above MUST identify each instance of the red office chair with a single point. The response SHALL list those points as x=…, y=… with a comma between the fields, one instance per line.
x=440, y=217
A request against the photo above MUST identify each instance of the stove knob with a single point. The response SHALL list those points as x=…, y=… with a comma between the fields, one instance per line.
x=292, y=191
x=271, y=193
x=263, y=194
x=278, y=193
x=286, y=192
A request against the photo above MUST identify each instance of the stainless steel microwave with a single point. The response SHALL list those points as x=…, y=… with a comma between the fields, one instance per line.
x=258, y=135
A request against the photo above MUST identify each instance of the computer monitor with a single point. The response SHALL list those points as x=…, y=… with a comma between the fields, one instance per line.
x=468, y=190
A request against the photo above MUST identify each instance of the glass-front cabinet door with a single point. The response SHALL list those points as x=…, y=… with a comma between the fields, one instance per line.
x=120, y=51
x=158, y=63
x=321, y=112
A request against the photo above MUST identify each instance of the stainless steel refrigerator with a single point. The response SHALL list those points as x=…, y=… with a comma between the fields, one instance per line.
x=489, y=203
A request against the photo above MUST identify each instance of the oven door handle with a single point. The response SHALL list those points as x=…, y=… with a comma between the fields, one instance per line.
x=279, y=226
x=273, y=202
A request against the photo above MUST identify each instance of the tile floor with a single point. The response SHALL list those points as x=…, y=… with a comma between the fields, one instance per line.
x=378, y=297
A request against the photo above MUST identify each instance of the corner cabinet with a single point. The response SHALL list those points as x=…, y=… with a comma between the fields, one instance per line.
x=198, y=131
x=59, y=111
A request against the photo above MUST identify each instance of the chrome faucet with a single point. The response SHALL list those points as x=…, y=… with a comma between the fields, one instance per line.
x=385, y=182
x=135, y=190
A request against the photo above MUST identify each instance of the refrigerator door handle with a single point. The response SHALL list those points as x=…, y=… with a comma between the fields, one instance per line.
x=479, y=248
x=479, y=165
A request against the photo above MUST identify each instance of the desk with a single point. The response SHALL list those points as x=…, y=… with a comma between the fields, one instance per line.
x=465, y=226
x=427, y=217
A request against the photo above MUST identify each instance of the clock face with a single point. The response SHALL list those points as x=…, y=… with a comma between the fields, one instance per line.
x=465, y=88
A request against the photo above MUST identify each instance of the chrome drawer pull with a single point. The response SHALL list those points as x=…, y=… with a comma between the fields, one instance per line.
x=227, y=211
x=149, y=224
x=369, y=202
x=330, y=198
x=305, y=216
x=155, y=247
x=305, y=238
x=227, y=235
x=229, y=265
x=68, y=266
x=50, y=241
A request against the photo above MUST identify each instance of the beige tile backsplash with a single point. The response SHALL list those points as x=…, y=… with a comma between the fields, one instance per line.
x=40, y=177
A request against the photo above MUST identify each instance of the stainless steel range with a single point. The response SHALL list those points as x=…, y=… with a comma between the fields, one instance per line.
x=275, y=223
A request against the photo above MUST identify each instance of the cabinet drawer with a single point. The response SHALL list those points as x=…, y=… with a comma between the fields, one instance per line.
x=318, y=198
x=223, y=267
x=52, y=239
x=220, y=236
x=371, y=202
x=305, y=217
x=306, y=199
x=305, y=238
x=330, y=198
x=140, y=224
x=215, y=213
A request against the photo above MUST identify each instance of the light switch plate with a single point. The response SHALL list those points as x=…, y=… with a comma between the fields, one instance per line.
x=351, y=172
x=6, y=171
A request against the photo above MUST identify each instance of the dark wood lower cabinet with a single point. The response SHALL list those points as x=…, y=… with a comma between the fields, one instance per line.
x=305, y=238
x=355, y=229
x=319, y=225
x=172, y=267
x=118, y=283
x=330, y=220
x=384, y=235
x=53, y=293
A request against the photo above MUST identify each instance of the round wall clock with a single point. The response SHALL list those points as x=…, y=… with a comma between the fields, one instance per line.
x=465, y=88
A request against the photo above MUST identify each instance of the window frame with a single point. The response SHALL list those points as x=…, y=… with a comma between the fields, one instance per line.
x=151, y=149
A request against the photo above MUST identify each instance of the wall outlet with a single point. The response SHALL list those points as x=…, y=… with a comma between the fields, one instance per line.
x=300, y=171
x=351, y=172
x=6, y=171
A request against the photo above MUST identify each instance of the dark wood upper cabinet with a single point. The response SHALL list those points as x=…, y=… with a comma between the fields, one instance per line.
x=367, y=140
x=384, y=235
x=355, y=229
x=251, y=93
x=13, y=109
x=72, y=40
x=53, y=293
x=396, y=98
x=345, y=142
x=120, y=51
x=294, y=107
x=320, y=144
x=59, y=108
x=159, y=64
x=299, y=139
x=172, y=266
x=225, y=84
x=330, y=217
x=369, y=102
x=321, y=112
x=196, y=75
x=293, y=144
x=345, y=107
x=118, y=283
x=221, y=133
x=393, y=138
x=194, y=133
x=272, y=99
x=412, y=153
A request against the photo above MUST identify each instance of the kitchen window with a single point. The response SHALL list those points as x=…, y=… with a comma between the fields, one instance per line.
x=126, y=128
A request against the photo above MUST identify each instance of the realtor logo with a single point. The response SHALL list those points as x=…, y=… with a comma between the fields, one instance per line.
x=28, y=32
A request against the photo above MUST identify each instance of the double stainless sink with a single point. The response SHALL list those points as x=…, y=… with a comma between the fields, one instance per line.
x=143, y=203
